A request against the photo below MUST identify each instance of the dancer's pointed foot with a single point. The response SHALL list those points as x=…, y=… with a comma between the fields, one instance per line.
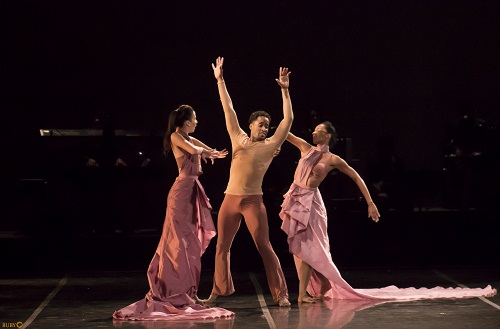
x=284, y=302
x=320, y=297
x=198, y=300
x=209, y=300
x=306, y=299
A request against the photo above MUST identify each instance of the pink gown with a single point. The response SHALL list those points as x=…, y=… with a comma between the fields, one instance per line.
x=305, y=222
x=174, y=271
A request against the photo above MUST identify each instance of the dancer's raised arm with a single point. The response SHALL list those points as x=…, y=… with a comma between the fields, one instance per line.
x=232, y=124
x=286, y=123
x=298, y=142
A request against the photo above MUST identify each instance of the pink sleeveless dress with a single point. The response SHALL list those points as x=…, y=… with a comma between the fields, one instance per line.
x=305, y=222
x=174, y=271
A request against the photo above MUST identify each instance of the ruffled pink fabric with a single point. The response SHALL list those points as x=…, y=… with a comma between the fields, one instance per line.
x=174, y=272
x=305, y=222
x=297, y=205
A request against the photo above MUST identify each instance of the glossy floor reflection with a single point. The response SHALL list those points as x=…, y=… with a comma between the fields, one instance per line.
x=87, y=300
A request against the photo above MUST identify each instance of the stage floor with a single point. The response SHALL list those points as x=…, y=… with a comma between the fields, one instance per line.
x=87, y=300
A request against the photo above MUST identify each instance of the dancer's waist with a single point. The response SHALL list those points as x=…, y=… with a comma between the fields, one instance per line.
x=304, y=186
x=184, y=176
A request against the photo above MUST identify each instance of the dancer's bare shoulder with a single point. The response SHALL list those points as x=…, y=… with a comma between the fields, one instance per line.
x=336, y=162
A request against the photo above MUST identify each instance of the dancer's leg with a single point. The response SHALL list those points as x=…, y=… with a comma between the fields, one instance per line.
x=228, y=223
x=305, y=271
x=325, y=284
x=254, y=212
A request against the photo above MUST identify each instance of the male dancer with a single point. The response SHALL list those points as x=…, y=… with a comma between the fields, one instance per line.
x=251, y=158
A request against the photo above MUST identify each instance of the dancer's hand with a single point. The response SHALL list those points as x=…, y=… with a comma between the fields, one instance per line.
x=213, y=154
x=284, y=80
x=218, y=68
x=373, y=212
x=220, y=154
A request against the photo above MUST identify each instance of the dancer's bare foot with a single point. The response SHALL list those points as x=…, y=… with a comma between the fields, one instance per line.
x=284, y=302
x=306, y=299
x=209, y=300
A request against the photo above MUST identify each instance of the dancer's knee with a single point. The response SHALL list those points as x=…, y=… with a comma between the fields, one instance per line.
x=222, y=249
x=264, y=246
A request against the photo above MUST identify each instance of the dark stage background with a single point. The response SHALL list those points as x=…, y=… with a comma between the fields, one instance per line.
x=394, y=77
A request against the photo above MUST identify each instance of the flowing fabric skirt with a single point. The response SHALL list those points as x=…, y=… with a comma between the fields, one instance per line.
x=174, y=271
x=305, y=222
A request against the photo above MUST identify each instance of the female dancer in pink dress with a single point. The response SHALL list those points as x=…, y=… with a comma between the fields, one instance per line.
x=305, y=222
x=174, y=271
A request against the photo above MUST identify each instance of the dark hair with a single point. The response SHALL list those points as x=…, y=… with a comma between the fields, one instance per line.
x=331, y=130
x=176, y=119
x=257, y=114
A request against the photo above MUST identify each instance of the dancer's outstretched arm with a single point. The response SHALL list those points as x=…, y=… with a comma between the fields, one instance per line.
x=196, y=147
x=179, y=141
x=341, y=165
x=208, y=152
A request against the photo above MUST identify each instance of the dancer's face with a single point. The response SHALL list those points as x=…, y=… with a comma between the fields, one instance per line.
x=259, y=129
x=191, y=124
x=320, y=135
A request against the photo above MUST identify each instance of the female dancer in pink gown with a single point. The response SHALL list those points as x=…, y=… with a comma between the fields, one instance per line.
x=305, y=222
x=174, y=271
